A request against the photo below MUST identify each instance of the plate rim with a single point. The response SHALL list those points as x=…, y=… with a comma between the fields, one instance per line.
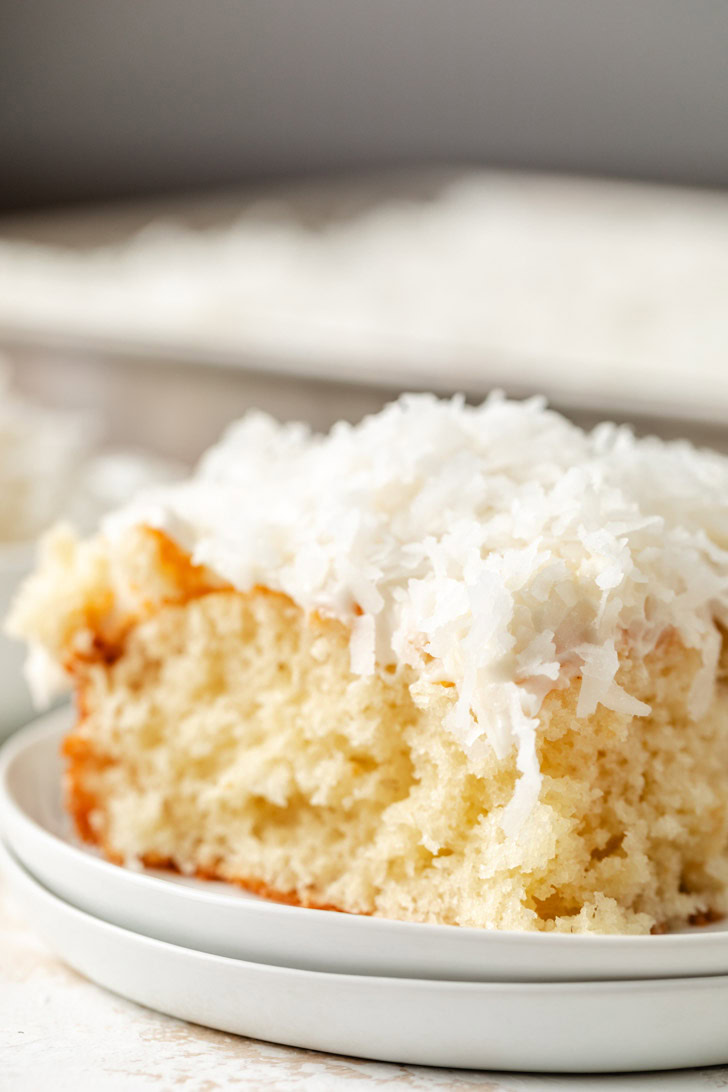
x=9, y=863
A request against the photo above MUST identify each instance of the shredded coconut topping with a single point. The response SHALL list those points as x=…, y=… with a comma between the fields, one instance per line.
x=498, y=548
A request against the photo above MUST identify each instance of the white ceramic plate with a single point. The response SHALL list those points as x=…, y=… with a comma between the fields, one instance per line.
x=546, y=1027
x=224, y=920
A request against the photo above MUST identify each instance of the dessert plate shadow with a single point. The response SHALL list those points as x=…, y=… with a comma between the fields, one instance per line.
x=544, y=1027
x=223, y=920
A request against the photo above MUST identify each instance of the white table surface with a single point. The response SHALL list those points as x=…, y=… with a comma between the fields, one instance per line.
x=58, y=1031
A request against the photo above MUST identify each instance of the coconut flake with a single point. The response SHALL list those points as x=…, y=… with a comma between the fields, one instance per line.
x=362, y=648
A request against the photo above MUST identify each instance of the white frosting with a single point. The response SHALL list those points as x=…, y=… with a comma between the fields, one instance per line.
x=508, y=545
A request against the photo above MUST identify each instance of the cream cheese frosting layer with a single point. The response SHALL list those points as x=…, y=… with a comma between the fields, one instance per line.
x=498, y=548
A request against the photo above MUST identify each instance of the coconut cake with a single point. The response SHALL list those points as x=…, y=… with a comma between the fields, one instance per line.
x=457, y=664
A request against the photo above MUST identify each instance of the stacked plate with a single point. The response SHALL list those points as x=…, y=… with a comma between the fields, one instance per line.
x=427, y=994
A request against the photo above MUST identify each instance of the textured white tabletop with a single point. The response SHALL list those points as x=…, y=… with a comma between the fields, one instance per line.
x=58, y=1031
